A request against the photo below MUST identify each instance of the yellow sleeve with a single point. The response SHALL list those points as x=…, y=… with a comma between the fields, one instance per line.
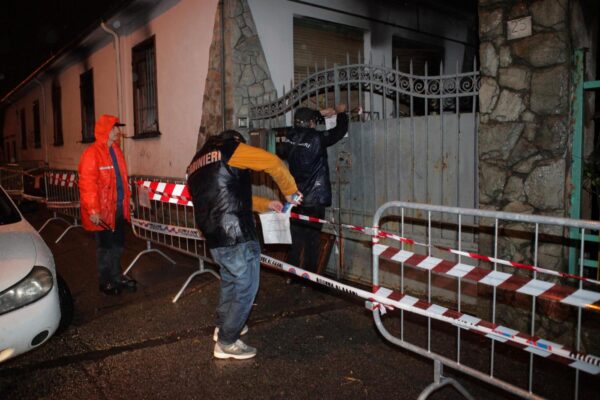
x=260, y=204
x=249, y=157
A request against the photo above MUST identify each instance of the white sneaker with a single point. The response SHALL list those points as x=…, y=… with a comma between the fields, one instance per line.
x=238, y=350
x=216, y=332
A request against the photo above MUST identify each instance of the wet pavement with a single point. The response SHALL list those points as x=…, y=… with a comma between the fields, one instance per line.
x=312, y=344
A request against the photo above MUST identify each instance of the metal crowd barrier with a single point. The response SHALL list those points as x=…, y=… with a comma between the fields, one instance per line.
x=163, y=215
x=503, y=234
x=62, y=198
x=11, y=179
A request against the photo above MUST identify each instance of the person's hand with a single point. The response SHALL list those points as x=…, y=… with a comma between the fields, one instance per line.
x=340, y=108
x=327, y=112
x=294, y=198
x=95, y=218
x=275, y=205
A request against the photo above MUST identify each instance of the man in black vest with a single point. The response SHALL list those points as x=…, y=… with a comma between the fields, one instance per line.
x=219, y=182
x=305, y=149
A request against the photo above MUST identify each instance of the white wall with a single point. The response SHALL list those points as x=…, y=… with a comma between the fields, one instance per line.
x=275, y=21
x=183, y=36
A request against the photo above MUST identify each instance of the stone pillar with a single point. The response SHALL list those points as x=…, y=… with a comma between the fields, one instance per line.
x=247, y=77
x=524, y=155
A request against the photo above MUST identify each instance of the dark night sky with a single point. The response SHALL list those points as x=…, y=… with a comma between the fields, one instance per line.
x=32, y=31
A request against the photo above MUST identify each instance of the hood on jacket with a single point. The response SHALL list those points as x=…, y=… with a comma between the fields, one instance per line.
x=104, y=125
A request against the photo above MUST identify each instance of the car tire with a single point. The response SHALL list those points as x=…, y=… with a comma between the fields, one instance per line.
x=66, y=305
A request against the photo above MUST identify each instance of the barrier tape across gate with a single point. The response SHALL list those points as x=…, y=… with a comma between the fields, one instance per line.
x=393, y=299
x=378, y=233
x=178, y=193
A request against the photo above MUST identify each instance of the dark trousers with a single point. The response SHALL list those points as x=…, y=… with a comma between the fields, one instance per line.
x=109, y=248
x=306, y=238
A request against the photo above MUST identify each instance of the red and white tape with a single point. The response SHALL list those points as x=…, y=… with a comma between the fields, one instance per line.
x=517, y=283
x=393, y=299
x=175, y=193
x=378, y=233
x=179, y=194
x=62, y=179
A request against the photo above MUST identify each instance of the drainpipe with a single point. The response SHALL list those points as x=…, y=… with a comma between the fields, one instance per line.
x=36, y=80
x=223, y=108
x=118, y=62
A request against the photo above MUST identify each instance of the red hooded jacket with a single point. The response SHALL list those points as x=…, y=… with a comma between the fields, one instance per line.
x=97, y=179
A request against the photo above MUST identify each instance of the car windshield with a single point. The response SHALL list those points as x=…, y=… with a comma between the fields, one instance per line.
x=8, y=213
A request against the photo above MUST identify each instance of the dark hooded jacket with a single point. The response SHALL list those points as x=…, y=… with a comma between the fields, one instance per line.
x=222, y=195
x=306, y=152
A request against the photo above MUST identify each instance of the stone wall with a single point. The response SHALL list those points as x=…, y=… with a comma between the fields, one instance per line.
x=247, y=77
x=525, y=140
x=524, y=108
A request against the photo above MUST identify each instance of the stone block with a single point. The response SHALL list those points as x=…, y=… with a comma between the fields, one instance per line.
x=552, y=135
x=497, y=140
x=528, y=116
x=491, y=182
x=549, y=90
x=488, y=94
x=509, y=106
x=235, y=8
x=516, y=78
x=489, y=59
x=548, y=13
x=542, y=49
x=514, y=191
x=256, y=90
x=504, y=56
x=247, y=77
x=545, y=186
x=490, y=23
x=259, y=73
x=527, y=164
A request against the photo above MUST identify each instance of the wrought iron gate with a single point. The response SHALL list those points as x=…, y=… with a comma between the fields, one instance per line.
x=411, y=138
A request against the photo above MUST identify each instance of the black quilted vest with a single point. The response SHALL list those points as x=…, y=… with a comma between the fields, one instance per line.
x=222, y=195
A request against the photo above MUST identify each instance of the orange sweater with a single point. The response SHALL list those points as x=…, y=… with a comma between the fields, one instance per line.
x=250, y=157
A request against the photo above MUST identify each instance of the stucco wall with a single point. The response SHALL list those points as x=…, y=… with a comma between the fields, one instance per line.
x=183, y=37
x=183, y=33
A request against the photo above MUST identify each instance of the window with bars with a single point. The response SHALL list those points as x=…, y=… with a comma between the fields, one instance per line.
x=145, y=104
x=57, y=115
x=88, y=118
x=23, y=129
x=37, y=134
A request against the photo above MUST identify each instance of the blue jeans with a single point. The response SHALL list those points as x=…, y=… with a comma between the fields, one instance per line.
x=240, y=274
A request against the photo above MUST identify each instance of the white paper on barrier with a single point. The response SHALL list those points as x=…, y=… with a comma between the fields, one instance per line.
x=143, y=196
x=276, y=227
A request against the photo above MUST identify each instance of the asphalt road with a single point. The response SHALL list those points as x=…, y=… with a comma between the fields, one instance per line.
x=312, y=344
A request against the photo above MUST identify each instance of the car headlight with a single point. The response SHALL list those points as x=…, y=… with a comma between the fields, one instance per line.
x=33, y=287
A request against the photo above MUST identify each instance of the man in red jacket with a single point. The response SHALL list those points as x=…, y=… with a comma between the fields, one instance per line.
x=104, y=197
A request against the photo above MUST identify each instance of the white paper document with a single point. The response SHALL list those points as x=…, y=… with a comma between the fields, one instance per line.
x=276, y=227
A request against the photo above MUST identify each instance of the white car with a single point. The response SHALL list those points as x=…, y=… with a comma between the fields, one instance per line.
x=31, y=292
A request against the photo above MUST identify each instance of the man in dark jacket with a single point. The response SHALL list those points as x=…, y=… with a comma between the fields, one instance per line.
x=219, y=182
x=305, y=149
